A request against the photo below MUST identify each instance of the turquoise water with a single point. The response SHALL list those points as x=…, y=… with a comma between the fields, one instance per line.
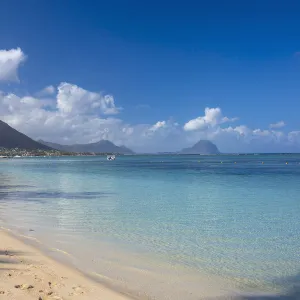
x=238, y=221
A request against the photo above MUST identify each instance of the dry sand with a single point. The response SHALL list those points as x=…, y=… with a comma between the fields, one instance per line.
x=25, y=273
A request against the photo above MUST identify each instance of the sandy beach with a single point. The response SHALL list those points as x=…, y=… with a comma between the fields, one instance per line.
x=26, y=273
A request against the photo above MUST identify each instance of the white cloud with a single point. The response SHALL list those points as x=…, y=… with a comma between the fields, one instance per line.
x=72, y=99
x=156, y=126
x=10, y=61
x=47, y=91
x=77, y=117
x=294, y=137
x=80, y=116
x=212, y=117
x=70, y=114
x=279, y=124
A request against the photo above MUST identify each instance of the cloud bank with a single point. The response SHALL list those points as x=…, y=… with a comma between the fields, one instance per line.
x=69, y=114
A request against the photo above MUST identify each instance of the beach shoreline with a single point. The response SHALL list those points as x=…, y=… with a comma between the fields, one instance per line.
x=27, y=273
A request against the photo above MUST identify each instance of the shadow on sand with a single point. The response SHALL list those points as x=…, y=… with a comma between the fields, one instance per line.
x=7, y=257
x=290, y=284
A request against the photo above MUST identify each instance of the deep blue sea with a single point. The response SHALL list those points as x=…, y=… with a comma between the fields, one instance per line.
x=232, y=217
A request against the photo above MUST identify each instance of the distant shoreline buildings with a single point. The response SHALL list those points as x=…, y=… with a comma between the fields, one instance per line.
x=17, y=152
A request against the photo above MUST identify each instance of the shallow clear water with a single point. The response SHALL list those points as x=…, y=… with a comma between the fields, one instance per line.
x=238, y=221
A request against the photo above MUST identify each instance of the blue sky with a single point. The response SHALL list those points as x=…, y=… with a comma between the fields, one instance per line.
x=163, y=60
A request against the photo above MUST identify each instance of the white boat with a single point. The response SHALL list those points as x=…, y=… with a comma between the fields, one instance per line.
x=111, y=157
x=17, y=156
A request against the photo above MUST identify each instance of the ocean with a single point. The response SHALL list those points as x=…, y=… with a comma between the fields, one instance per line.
x=171, y=222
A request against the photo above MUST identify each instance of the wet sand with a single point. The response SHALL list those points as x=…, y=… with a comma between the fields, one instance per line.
x=26, y=273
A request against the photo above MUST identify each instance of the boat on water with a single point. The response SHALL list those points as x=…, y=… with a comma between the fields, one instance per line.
x=111, y=157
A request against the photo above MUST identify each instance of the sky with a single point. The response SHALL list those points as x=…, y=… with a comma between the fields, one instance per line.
x=156, y=76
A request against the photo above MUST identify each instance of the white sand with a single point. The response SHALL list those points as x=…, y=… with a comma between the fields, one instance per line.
x=25, y=273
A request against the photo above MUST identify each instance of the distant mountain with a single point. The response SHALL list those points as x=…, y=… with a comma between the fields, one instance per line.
x=11, y=138
x=202, y=147
x=103, y=146
x=53, y=145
